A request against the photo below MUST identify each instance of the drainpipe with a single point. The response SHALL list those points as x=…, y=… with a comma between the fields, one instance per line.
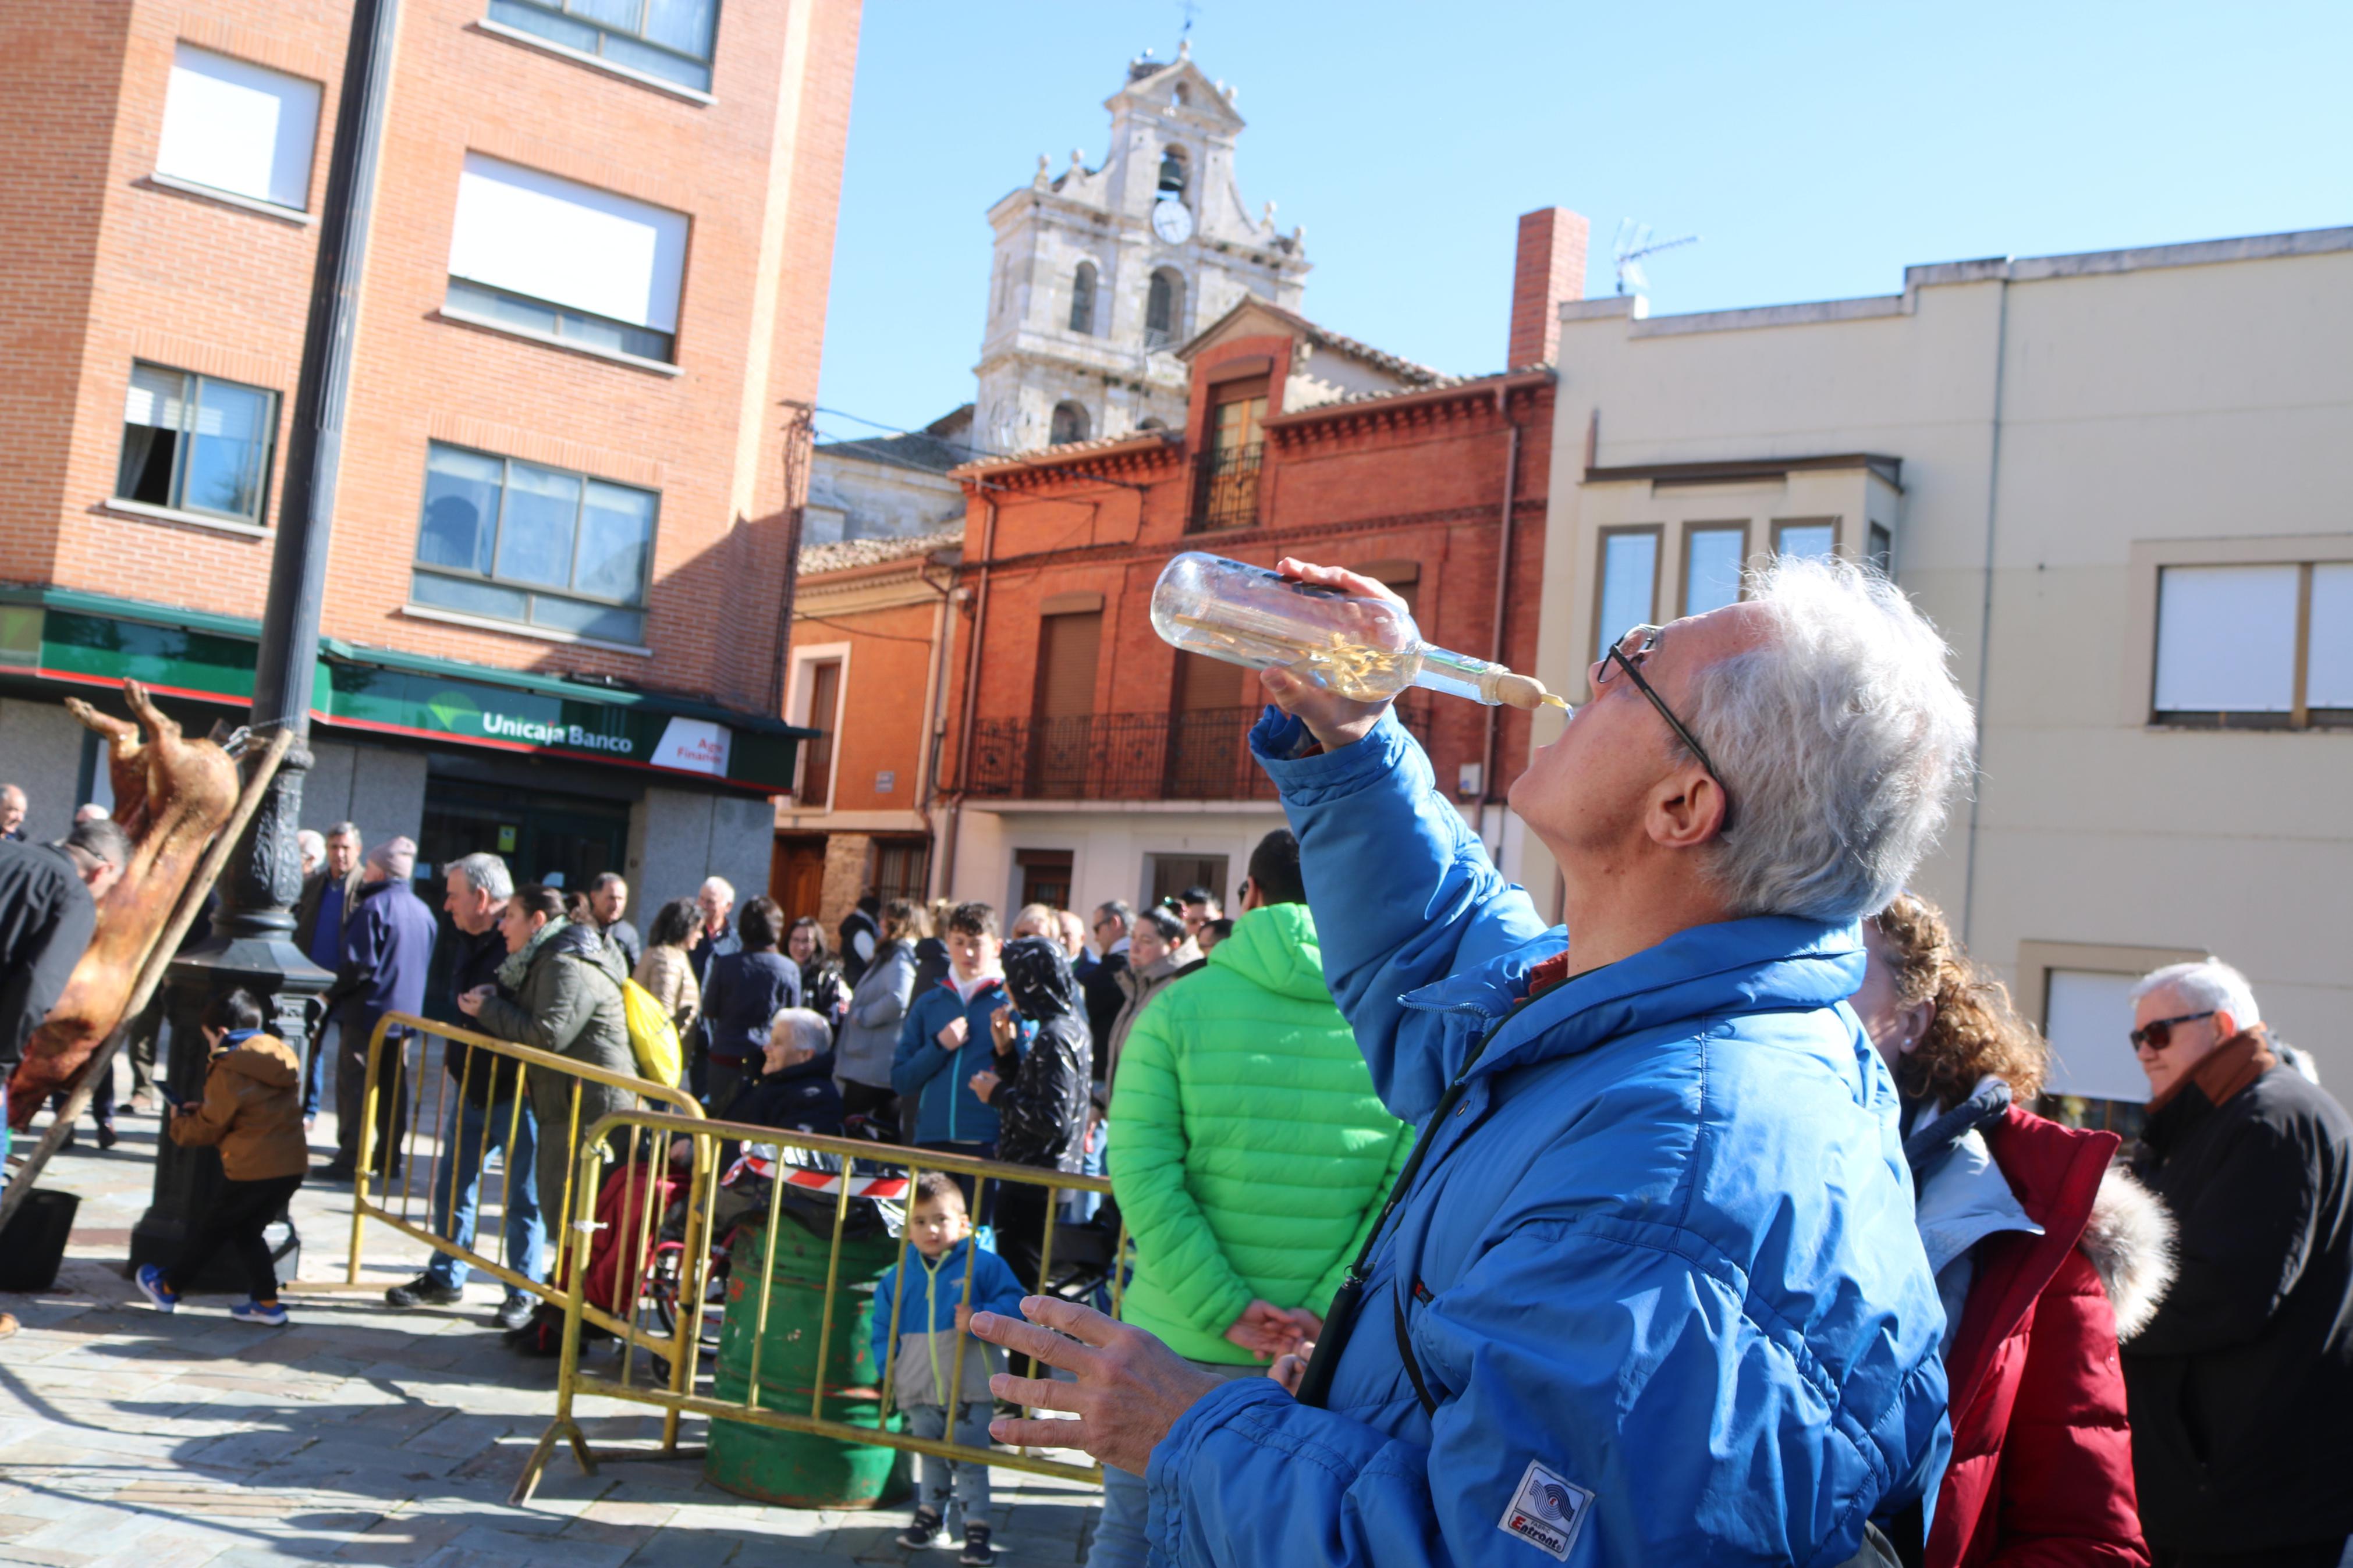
x=971, y=683
x=1985, y=610
x=1503, y=583
x=927, y=762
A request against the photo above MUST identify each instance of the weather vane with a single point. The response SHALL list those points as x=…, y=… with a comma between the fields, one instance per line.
x=1191, y=11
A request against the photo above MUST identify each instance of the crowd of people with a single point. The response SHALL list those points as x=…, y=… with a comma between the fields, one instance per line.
x=1731, y=1230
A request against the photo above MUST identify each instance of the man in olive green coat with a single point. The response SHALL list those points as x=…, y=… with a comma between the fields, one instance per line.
x=1248, y=1154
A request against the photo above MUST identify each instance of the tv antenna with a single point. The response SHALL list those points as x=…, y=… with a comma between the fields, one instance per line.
x=1633, y=244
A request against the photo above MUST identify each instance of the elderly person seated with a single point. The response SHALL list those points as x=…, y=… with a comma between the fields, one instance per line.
x=1648, y=1288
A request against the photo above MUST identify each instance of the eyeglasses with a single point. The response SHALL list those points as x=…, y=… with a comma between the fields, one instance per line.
x=1641, y=641
x=2159, y=1035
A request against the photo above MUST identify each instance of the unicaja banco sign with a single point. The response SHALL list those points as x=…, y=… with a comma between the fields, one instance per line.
x=509, y=727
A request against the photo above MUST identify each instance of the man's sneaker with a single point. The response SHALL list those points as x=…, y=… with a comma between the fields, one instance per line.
x=151, y=1285
x=924, y=1530
x=425, y=1291
x=977, y=1548
x=269, y=1314
x=515, y=1311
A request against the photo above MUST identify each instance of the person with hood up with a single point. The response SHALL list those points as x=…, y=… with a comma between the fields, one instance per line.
x=1649, y=1289
x=877, y=1006
x=252, y=1112
x=1039, y=1094
x=2045, y=1255
x=558, y=991
x=1158, y=951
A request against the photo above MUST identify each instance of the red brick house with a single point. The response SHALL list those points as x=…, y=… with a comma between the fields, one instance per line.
x=1084, y=758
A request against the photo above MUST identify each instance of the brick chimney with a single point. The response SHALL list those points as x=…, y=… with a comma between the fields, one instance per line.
x=1549, y=270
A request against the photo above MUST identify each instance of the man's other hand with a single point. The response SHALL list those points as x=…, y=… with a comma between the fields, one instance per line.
x=1290, y=1370
x=1332, y=719
x=952, y=1035
x=1130, y=1388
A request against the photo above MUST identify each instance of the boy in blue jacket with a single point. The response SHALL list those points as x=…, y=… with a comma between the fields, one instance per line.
x=946, y=1039
x=932, y=1318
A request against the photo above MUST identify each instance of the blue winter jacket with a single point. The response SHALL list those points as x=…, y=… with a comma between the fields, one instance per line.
x=926, y=1306
x=1659, y=1273
x=948, y=1111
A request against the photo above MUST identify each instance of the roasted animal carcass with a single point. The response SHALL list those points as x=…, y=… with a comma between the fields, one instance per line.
x=170, y=795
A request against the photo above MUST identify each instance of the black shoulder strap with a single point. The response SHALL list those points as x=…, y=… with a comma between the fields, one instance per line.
x=1404, y=1350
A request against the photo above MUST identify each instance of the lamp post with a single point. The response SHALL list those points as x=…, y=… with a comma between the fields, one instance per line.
x=251, y=942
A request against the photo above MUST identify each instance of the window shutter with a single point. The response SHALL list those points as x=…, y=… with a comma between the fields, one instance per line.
x=1204, y=683
x=1068, y=650
x=533, y=233
x=238, y=128
x=2226, y=640
x=155, y=398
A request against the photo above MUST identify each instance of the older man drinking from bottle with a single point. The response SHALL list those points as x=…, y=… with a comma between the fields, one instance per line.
x=1649, y=1290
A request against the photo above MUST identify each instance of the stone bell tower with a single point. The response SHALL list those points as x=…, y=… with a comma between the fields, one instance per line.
x=1099, y=274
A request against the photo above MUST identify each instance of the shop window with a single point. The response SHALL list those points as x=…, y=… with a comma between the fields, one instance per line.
x=1714, y=553
x=666, y=38
x=520, y=542
x=238, y=128
x=2095, y=1079
x=1070, y=424
x=903, y=869
x=1626, y=592
x=2267, y=646
x=548, y=257
x=1082, y=298
x=194, y=444
x=1169, y=875
x=1806, y=536
x=817, y=757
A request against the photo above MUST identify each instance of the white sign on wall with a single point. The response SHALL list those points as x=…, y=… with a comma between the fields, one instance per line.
x=2088, y=1016
x=694, y=746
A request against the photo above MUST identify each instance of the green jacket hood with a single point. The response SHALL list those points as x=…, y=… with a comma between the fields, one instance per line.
x=1274, y=948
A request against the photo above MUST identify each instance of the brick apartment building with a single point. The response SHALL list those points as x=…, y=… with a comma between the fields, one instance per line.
x=1077, y=756
x=597, y=282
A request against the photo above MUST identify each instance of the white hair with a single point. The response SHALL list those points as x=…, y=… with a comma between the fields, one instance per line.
x=1841, y=740
x=799, y=1027
x=486, y=874
x=309, y=841
x=722, y=886
x=2208, y=982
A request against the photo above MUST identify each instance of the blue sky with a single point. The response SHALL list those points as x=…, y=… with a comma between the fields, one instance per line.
x=1816, y=149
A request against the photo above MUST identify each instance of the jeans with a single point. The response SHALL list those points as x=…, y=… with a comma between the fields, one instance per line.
x=1119, y=1535
x=971, y=1480
x=315, y=1071
x=356, y=1030
x=240, y=1213
x=456, y=1187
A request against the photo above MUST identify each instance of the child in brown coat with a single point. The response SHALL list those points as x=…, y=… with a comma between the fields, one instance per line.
x=252, y=1112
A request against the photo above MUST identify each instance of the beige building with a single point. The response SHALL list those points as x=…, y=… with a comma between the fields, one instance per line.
x=2115, y=482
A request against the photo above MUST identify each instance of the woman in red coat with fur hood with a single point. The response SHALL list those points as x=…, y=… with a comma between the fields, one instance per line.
x=2044, y=1253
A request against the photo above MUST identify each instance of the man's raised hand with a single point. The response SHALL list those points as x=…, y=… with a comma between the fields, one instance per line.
x=1130, y=1388
x=1334, y=720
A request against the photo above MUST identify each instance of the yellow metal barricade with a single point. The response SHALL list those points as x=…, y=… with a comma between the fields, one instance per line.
x=685, y=1395
x=393, y=1070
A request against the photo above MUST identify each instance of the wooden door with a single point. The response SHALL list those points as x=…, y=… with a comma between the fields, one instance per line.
x=1062, y=725
x=796, y=875
x=1206, y=735
x=817, y=766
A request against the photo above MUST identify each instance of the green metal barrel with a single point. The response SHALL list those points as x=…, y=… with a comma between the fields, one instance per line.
x=800, y=1468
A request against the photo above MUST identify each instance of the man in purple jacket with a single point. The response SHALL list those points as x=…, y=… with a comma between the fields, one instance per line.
x=388, y=943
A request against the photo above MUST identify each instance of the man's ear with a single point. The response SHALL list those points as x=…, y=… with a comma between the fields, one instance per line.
x=2226, y=1025
x=1686, y=809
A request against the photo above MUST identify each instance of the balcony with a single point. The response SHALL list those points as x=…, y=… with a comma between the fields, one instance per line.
x=1225, y=489
x=1202, y=755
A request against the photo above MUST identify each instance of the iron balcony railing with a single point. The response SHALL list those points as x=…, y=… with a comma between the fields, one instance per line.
x=1201, y=755
x=1225, y=487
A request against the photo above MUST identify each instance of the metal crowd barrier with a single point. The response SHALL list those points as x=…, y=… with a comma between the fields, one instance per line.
x=685, y=1389
x=423, y=1147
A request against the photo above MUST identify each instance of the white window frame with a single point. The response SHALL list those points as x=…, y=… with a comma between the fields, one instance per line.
x=800, y=690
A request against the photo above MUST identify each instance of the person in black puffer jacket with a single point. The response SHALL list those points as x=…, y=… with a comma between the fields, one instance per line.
x=1039, y=1094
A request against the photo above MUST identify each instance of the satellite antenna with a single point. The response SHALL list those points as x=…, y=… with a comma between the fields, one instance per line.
x=1633, y=244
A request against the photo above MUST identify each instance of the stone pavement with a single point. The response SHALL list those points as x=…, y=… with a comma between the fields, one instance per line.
x=360, y=1434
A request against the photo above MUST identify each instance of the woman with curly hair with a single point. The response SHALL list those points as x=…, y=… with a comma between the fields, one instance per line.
x=2044, y=1256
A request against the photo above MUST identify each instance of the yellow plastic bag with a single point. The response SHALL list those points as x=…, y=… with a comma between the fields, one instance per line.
x=653, y=1035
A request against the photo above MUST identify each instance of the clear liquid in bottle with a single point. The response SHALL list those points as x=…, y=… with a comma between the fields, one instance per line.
x=1366, y=649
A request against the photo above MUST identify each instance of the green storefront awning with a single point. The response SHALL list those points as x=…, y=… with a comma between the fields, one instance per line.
x=92, y=639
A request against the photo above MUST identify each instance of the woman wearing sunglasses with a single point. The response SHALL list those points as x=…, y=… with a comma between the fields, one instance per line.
x=2044, y=1256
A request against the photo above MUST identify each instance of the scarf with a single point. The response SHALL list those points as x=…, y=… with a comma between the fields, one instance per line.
x=2226, y=1069
x=516, y=965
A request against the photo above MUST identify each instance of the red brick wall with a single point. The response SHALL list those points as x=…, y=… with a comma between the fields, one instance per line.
x=1348, y=486
x=195, y=284
x=1548, y=268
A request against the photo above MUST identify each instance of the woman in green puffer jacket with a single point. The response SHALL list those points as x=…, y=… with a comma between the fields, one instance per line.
x=1249, y=1152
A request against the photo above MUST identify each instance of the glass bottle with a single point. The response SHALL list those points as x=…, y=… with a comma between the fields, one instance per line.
x=1368, y=649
